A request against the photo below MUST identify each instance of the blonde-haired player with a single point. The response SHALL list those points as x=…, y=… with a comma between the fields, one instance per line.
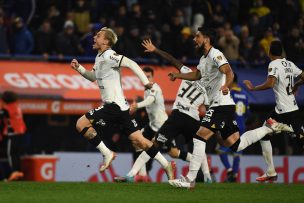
x=115, y=109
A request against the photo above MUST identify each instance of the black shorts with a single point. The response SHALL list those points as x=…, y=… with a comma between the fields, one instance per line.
x=108, y=115
x=291, y=118
x=148, y=132
x=177, y=124
x=221, y=118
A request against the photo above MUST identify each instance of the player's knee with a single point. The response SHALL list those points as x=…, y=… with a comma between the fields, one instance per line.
x=173, y=152
x=81, y=123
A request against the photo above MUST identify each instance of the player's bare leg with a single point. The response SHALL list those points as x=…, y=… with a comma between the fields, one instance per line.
x=150, y=151
x=85, y=128
x=234, y=141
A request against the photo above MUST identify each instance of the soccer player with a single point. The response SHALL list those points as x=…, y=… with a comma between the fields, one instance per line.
x=281, y=74
x=107, y=73
x=184, y=118
x=240, y=99
x=216, y=76
x=155, y=107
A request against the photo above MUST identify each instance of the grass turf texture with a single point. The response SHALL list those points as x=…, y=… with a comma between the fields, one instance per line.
x=121, y=192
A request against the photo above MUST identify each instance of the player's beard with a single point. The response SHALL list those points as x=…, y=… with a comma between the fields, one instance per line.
x=200, y=50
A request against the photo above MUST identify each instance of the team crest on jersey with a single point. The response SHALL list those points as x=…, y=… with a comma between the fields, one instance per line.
x=269, y=69
x=219, y=58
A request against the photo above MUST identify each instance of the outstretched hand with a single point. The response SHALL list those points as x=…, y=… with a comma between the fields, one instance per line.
x=248, y=84
x=224, y=89
x=74, y=64
x=172, y=76
x=148, y=45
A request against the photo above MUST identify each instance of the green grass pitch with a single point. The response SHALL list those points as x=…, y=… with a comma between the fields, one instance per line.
x=148, y=192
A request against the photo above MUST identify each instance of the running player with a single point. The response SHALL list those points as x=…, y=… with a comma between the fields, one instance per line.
x=217, y=76
x=281, y=74
x=107, y=72
x=184, y=118
x=155, y=107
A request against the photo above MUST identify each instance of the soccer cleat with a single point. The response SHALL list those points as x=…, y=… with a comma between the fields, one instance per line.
x=170, y=170
x=107, y=160
x=267, y=177
x=124, y=179
x=16, y=175
x=277, y=127
x=183, y=182
x=208, y=181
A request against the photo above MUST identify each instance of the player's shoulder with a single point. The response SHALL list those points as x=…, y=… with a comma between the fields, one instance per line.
x=214, y=52
x=110, y=54
x=156, y=87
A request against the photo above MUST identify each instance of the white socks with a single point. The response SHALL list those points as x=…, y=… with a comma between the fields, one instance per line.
x=197, y=158
x=205, y=168
x=143, y=171
x=253, y=136
x=267, y=155
x=138, y=164
x=103, y=149
x=161, y=160
x=189, y=156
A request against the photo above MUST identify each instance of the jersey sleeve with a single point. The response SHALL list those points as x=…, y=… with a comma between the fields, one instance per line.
x=219, y=59
x=272, y=70
x=185, y=69
x=111, y=57
x=296, y=71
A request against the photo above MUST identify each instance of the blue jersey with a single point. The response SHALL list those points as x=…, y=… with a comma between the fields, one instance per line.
x=241, y=107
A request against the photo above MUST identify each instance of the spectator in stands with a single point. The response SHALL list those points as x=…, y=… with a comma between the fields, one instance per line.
x=121, y=16
x=134, y=43
x=135, y=17
x=294, y=45
x=230, y=45
x=82, y=16
x=218, y=17
x=87, y=40
x=266, y=40
x=13, y=131
x=55, y=18
x=121, y=45
x=263, y=13
x=198, y=21
x=23, y=42
x=184, y=46
x=255, y=26
x=4, y=48
x=67, y=42
x=45, y=39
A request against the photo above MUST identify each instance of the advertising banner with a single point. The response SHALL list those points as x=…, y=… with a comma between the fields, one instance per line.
x=84, y=167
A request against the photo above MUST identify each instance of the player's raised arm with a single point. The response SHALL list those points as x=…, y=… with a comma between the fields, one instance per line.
x=90, y=75
x=126, y=62
x=150, y=48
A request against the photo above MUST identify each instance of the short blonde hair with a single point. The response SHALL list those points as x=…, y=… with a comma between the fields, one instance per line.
x=110, y=35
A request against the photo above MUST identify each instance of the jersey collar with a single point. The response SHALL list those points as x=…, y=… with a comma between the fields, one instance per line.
x=208, y=52
x=99, y=54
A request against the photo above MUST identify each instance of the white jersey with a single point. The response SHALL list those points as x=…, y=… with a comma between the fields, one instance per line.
x=190, y=96
x=108, y=76
x=213, y=79
x=156, y=111
x=284, y=71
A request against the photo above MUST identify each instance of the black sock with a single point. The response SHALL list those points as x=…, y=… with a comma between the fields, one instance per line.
x=183, y=155
x=96, y=140
x=152, y=151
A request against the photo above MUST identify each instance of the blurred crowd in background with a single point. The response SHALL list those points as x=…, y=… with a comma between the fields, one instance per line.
x=61, y=28
x=66, y=27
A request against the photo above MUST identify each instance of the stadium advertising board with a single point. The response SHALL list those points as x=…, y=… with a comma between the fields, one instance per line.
x=84, y=167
